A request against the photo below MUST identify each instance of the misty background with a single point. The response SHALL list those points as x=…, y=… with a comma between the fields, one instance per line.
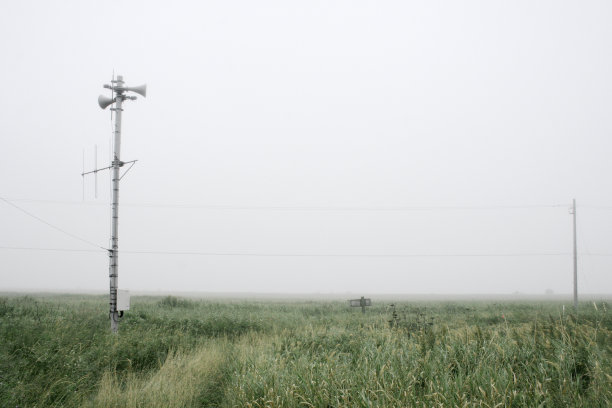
x=309, y=147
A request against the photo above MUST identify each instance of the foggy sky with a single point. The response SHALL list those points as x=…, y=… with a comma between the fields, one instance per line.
x=332, y=146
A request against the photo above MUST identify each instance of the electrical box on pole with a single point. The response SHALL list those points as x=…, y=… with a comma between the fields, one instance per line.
x=123, y=300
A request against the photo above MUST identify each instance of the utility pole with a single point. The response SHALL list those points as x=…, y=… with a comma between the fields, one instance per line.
x=119, y=90
x=575, y=257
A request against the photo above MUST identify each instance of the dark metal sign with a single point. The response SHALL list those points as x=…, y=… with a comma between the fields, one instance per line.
x=362, y=303
x=357, y=302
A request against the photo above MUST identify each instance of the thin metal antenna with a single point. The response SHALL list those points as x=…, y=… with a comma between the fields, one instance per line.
x=96, y=173
x=110, y=174
x=83, y=174
x=113, y=98
x=110, y=186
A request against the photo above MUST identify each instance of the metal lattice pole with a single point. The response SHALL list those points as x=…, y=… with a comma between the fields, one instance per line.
x=119, y=89
x=113, y=270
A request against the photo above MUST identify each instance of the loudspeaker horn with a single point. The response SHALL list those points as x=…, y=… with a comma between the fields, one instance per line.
x=141, y=89
x=104, y=101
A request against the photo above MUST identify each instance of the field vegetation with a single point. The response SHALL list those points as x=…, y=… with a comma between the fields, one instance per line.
x=57, y=351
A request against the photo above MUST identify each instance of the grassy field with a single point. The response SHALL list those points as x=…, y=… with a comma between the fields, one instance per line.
x=174, y=352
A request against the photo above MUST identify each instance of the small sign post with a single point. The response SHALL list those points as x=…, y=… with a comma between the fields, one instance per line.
x=363, y=302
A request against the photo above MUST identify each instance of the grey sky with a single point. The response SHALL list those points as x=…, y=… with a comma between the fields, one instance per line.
x=302, y=120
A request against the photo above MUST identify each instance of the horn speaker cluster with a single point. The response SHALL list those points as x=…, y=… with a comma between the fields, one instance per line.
x=105, y=101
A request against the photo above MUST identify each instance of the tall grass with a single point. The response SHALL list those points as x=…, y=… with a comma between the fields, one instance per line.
x=174, y=352
x=183, y=380
x=472, y=366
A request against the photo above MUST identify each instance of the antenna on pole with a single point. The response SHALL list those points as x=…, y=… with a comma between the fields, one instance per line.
x=83, y=175
x=96, y=173
x=119, y=91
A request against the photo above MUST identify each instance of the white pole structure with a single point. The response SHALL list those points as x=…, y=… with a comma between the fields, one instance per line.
x=113, y=271
x=575, y=257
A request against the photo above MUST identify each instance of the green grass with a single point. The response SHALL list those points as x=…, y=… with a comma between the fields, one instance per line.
x=175, y=352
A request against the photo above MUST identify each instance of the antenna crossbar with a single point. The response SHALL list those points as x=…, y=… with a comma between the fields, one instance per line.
x=110, y=167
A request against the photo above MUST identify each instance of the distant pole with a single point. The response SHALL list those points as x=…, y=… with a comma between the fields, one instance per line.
x=113, y=271
x=363, y=303
x=575, y=257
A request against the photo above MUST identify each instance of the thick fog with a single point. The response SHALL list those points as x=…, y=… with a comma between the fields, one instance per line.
x=309, y=147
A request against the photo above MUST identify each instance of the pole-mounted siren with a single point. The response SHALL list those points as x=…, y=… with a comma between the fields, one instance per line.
x=105, y=101
x=140, y=90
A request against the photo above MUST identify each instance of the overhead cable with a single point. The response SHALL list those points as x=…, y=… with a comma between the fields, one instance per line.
x=51, y=225
x=311, y=254
x=304, y=208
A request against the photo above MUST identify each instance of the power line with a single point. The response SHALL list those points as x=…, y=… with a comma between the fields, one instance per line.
x=308, y=255
x=51, y=225
x=305, y=208
x=49, y=249
x=340, y=255
x=44, y=201
x=339, y=208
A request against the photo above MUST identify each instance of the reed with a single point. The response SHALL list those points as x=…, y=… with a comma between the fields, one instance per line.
x=175, y=352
